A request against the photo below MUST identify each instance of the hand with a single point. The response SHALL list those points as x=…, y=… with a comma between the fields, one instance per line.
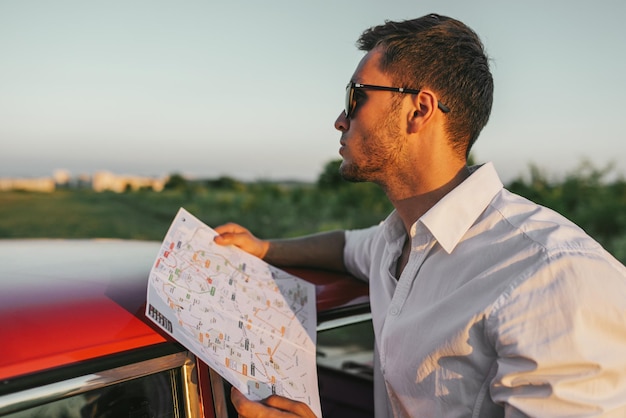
x=273, y=406
x=237, y=235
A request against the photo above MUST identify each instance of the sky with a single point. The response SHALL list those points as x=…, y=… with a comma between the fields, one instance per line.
x=251, y=89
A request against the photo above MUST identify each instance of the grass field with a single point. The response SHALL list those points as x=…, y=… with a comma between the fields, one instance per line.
x=66, y=214
x=268, y=210
x=273, y=210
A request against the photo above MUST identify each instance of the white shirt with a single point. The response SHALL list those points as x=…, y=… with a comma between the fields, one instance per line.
x=505, y=308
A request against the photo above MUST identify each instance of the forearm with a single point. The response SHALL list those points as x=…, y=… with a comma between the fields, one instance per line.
x=323, y=250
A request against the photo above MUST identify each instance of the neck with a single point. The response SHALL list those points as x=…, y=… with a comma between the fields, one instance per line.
x=410, y=206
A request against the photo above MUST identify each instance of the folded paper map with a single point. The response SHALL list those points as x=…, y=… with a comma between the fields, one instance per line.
x=252, y=323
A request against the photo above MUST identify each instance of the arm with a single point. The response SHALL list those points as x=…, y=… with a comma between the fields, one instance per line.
x=323, y=250
x=561, y=341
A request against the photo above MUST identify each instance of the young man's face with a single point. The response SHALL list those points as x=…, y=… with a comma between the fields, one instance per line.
x=371, y=140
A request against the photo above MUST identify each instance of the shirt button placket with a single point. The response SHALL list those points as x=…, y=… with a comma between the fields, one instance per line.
x=421, y=245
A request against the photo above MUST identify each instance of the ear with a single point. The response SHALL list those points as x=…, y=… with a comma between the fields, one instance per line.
x=423, y=110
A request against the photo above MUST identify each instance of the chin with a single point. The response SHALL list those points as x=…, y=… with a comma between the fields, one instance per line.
x=351, y=173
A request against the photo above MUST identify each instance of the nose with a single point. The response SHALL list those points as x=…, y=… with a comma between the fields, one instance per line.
x=342, y=123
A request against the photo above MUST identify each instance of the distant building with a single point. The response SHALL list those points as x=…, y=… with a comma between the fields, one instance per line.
x=62, y=177
x=44, y=184
x=99, y=182
x=104, y=180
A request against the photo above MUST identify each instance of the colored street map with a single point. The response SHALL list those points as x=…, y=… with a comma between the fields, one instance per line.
x=252, y=323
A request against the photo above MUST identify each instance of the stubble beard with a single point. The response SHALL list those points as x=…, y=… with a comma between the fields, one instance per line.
x=381, y=148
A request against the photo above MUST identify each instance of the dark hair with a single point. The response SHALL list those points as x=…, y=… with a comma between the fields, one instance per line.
x=446, y=56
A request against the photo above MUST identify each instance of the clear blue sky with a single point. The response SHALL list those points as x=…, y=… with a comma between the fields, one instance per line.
x=251, y=89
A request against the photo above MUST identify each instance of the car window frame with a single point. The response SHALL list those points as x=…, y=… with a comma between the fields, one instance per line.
x=64, y=388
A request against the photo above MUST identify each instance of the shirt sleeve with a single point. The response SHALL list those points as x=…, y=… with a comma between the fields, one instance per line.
x=357, y=252
x=560, y=337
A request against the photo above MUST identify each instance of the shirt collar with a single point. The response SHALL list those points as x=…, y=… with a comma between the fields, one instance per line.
x=457, y=211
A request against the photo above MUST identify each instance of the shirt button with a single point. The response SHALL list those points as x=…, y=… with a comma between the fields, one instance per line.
x=394, y=311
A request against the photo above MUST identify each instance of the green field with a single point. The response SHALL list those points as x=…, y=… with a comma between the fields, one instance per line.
x=285, y=210
x=269, y=210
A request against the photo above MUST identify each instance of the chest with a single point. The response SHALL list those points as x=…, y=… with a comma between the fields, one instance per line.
x=432, y=324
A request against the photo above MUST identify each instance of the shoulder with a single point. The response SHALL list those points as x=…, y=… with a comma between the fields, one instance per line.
x=538, y=225
x=564, y=269
x=552, y=260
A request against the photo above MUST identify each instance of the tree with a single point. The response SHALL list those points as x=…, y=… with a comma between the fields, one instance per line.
x=330, y=177
x=176, y=182
x=225, y=183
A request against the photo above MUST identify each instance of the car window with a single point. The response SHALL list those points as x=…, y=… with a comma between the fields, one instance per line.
x=153, y=396
x=119, y=393
x=347, y=345
x=345, y=358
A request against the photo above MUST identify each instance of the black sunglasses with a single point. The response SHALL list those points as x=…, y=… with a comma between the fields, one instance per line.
x=352, y=86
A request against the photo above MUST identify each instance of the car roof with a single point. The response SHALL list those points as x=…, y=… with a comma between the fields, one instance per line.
x=66, y=301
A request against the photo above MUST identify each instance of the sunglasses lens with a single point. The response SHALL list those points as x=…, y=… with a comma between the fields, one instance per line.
x=349, y=96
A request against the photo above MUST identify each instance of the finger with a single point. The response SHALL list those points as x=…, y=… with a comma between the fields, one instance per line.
x=225, y=238
x=239, y=401
x=251, y=409
x=297, y=408
x=237, y=239
x=229, y=227
x=233, y=234
x=230, y=233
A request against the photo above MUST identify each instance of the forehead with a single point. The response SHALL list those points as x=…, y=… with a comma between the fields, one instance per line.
x=368, y=70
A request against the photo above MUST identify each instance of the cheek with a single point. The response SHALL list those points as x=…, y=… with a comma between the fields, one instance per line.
x=372, y=143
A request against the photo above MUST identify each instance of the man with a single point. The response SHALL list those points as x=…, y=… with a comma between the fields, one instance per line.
x=483, y=303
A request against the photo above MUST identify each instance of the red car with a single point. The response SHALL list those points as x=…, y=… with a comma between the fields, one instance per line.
x=74, y=340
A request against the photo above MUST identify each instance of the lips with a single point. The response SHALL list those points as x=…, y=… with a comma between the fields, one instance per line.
x=342, y=142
